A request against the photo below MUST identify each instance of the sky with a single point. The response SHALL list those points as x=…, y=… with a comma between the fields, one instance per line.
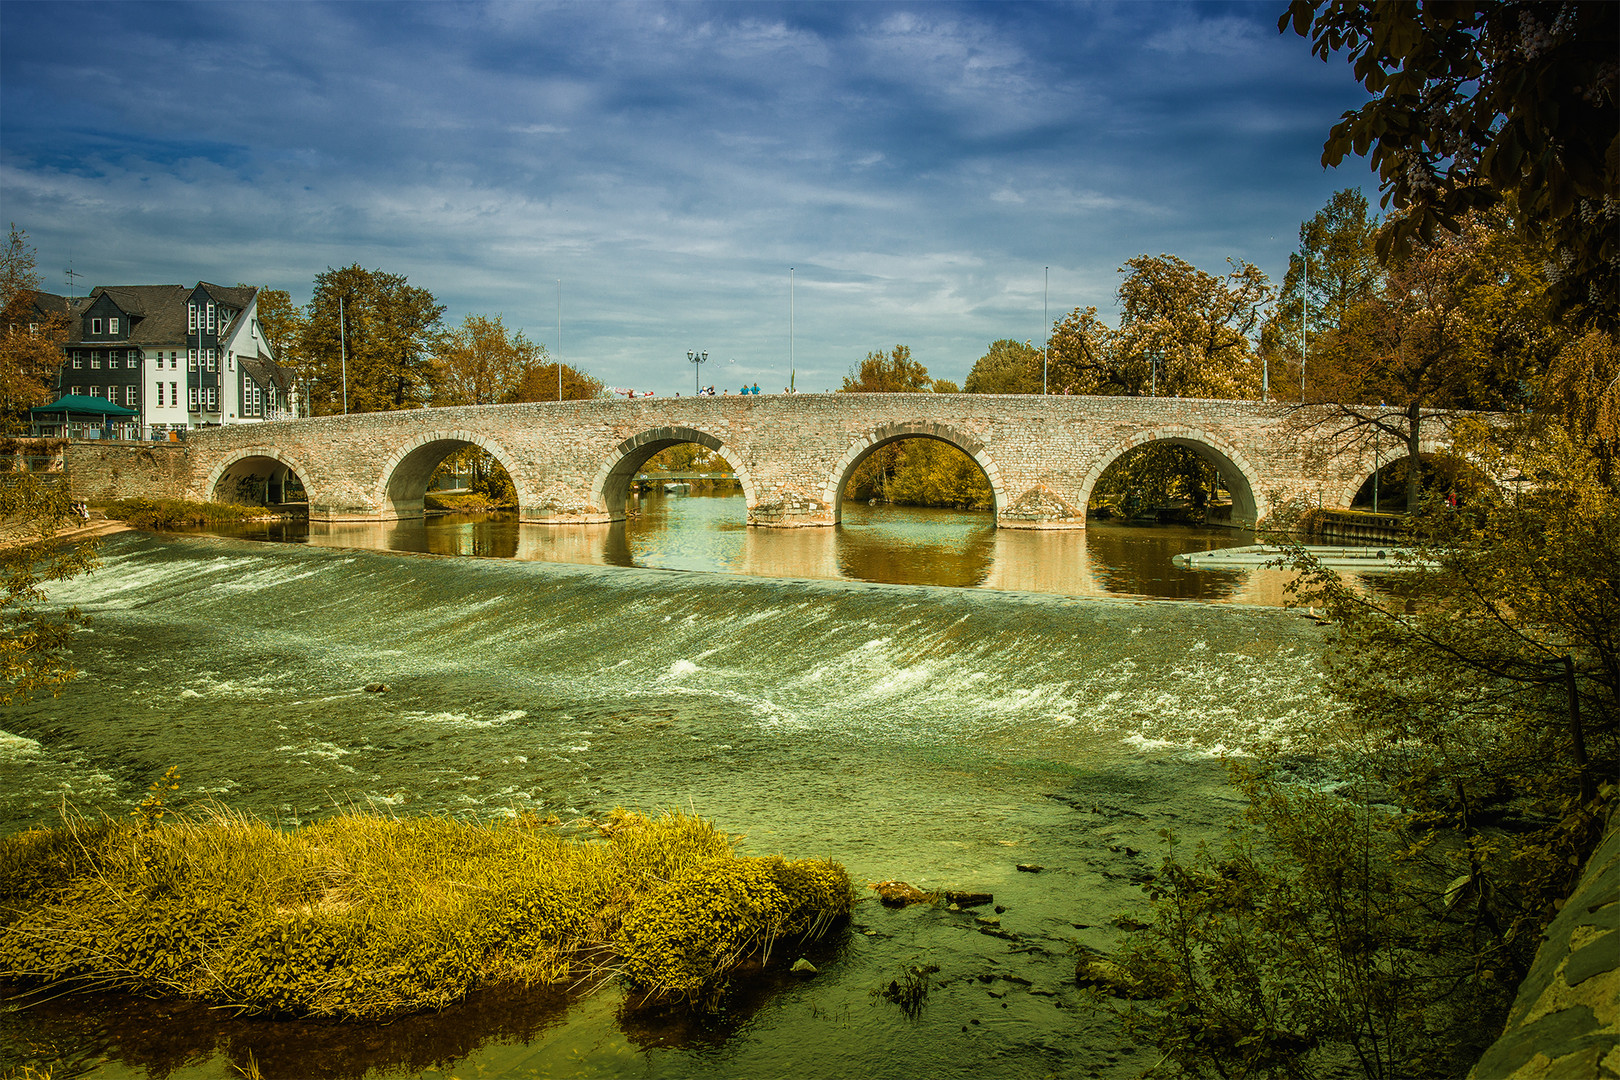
x=784, y=186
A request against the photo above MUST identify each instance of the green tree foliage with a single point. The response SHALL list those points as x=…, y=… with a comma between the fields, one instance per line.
x=1182, y=333
x=892, y=372
x=1156, y=475
x=30, y=340
x=1195, y=332
x=1480, y=692
x=34, y=640
x=1580, y=392
x=483, y=363
x=1458, y=324
x=928, y=472
x=1476, y=102
x=539, y=383
x=1341, y=266
x=389, y=326
x=1007, y=367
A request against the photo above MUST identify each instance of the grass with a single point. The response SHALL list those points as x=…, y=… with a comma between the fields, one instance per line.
x=365, y=917
x=167, y=513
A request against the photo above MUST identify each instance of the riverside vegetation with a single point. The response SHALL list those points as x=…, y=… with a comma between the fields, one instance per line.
x=365, y=917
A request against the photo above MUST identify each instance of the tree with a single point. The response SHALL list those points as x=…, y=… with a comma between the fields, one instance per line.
x=539, y=383
x=1458, y=325
x=1580, y=391
x=892, y=372
x=1082, y=359
x=1340, y=263
x=1477, y=102
x=34, y=642
x=484, y=364
x=1193, y=331
x=1007, y=367
x=388, y=327
x=31, y=340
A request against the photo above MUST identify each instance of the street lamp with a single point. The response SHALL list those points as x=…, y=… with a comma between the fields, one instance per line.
x=696, y=359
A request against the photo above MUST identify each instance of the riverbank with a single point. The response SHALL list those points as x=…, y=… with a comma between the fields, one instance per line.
x=367, y=917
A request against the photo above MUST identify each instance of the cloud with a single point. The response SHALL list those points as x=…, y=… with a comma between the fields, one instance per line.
x=919, y=164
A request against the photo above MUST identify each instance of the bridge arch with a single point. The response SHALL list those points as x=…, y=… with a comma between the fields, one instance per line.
x=240, y=466
x=402, y=485
x=1236, y=471
x=832, y=495
x=611, y=487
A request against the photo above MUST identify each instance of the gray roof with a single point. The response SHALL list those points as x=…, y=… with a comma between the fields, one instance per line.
x=266, y=372
x=157, y=313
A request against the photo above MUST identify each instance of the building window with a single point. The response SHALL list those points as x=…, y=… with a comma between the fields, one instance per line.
x=209, y=353
x=112, y=394
x=210, y=314
x=230, y=361
x=95, y=391
x=78, y=361
x=174, y=363
x=95, y=326
x=129, y=395
x=213, y=399
x=191, y=316
x=77, y=391
x=33, y=329
x=174, y=395
x=191, y=359
x=191, y=394
x=112, y=326
x=95, y=361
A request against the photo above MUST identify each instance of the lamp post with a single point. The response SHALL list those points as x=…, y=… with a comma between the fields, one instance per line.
x=696, y=359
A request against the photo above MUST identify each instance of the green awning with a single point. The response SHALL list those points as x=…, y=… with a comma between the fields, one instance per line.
x=83, y=405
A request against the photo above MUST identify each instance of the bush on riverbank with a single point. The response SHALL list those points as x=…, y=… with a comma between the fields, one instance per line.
x=168, y=513
x=363, y=917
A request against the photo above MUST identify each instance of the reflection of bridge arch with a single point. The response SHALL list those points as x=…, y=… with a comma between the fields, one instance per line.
x=611, y=487
x=404, y=478
x=832, y=495
x=1237, y=474
x=247, y=462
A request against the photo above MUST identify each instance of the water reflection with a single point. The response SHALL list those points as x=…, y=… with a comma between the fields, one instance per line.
x=888, y=544
x=170, y=1035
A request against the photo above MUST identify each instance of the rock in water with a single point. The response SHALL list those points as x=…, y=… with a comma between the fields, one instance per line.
x=899, y=894
x=376, y=688
x=1031, y=868
x=968, y=899
x=801, y=966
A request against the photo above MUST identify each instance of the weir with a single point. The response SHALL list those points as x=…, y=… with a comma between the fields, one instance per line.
x=572, y=462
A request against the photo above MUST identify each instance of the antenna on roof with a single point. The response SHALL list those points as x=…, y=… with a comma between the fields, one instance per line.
x=71, y=274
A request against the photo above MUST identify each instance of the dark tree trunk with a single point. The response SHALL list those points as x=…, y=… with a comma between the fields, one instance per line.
x=1414, y=465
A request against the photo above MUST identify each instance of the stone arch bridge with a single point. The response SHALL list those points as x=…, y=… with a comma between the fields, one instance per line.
x=572, y=462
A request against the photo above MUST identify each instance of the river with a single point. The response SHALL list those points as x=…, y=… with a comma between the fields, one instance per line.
x=919, y=731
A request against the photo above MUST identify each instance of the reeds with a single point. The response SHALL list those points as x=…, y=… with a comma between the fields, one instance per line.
x=365, y=917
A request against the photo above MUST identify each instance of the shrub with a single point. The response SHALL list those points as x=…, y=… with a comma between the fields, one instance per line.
x=169, y=513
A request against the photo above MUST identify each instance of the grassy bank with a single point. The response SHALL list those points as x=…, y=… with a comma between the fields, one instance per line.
x=167, y=513
x=364, y=917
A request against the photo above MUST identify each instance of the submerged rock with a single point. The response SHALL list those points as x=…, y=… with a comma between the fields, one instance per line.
x=1030, y=868
x=376, y=688
x=968, y=899
x=900, y=893
x=801, y=966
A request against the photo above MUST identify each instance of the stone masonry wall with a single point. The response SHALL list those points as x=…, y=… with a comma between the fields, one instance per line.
x=105, y=471
x=792, y=453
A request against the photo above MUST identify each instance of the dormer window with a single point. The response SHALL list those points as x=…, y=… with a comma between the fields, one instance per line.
x=95, y=326
x=112, y=326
